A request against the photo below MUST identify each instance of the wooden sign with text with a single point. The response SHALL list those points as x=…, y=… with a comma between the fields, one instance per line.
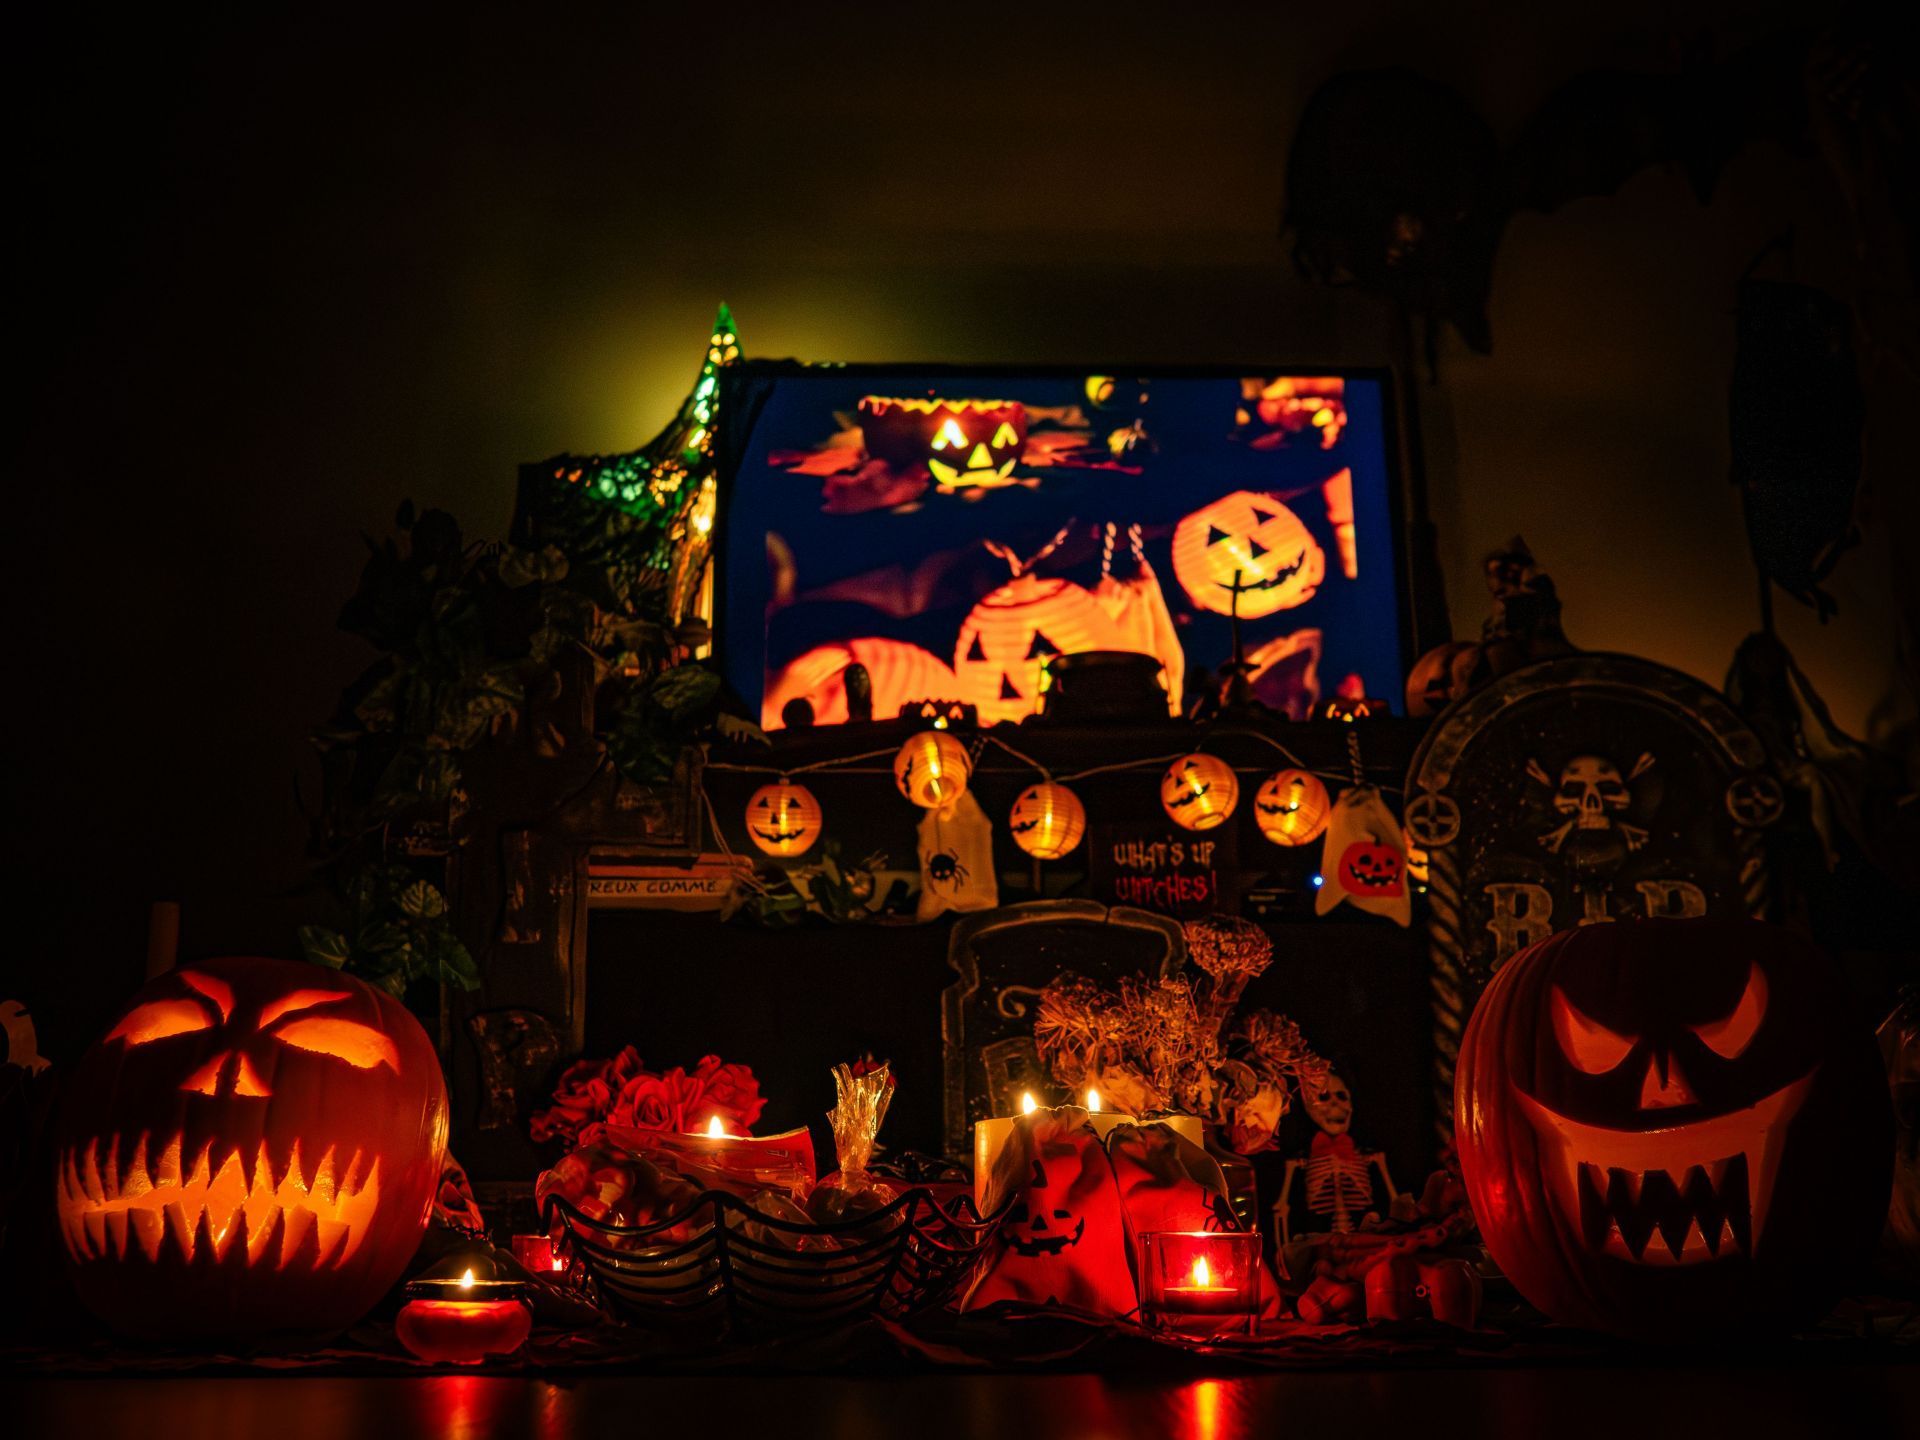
x=1164, y=869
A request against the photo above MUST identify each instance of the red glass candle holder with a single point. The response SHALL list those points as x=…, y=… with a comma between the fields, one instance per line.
x=462, y=1322
x=536, y=1252
x=1199, y=1282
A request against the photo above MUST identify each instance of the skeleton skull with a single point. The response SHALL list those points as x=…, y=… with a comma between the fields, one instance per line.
x=1590, y=789
x=1328, y=1104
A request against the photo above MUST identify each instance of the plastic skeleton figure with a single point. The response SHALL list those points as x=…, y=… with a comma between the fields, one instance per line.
x=1339, y=1187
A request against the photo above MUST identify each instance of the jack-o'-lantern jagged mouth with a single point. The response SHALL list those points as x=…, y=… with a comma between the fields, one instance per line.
x=1682, y=1195
x=1272, y=582
x=279, y=1214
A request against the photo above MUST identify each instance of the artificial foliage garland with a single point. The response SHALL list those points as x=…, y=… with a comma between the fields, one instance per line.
x=605, y=569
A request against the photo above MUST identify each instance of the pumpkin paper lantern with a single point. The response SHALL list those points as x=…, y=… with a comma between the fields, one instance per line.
x=1199, y=791
x=965, y=444
x=1006, y=640
x=1673, y=1128
x=783, y=818
x=1251, y=543
x=253, y=1149
x=1291, y=807
x=931, y=769
x=1047, y=820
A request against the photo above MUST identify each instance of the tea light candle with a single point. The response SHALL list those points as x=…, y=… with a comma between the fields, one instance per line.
x=1200, y=1279
x=463, y=1321
x=990, y=1136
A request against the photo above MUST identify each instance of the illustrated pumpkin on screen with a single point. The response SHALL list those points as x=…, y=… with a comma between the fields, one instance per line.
x=965, y=444
x=1251, y=536
x=1673, y=1129
x=1007, y=639
x=900, y=674
x=253, y=1148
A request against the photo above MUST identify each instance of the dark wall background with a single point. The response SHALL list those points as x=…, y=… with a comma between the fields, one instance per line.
x=280, y=273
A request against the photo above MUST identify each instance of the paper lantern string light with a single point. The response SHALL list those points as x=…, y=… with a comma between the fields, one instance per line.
x=1047, y=820
x=1199, y=791
x=931, y=769
x=1291, y=807
x=783, y=818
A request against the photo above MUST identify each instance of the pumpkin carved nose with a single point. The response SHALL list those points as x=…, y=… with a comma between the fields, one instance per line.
x=1665, y=1087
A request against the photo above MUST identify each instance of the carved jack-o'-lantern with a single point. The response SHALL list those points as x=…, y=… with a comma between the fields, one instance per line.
x=1047, y=820
x=965, y=444
x=783, y=818
x=1199, y=791
x=1291, y=807
x=1371, y=867
x=253, y=1148
x=931, y=769
x=1251, y=543
x=1007, y=639
x=1673, y=1128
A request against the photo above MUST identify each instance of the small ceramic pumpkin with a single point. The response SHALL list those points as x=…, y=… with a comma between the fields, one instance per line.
x=1047, y=820
x=1673, y=1129
x=252, y=1149
x=1291, y=807
x=1250, y=542
x=783, y=818
x=1199, y=791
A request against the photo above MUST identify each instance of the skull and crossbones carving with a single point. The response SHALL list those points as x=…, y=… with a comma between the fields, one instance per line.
x=1591, y=794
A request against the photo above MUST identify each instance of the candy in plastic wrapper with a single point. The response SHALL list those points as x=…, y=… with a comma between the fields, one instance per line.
x=863, y=1097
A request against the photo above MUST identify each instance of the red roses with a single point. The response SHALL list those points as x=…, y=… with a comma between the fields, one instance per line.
x=621, y=1091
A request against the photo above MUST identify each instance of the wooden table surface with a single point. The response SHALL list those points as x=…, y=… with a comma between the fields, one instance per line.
x=1723, y=1402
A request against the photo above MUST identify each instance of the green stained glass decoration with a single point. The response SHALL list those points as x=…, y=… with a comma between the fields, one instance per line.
x=641, y=521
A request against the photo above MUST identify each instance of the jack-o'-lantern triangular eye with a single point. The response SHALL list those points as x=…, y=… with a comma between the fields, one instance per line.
x=361, y=1046
x=1215, y=535
x=1728, y=1036
x=976, y=651
x=161, y=1020
x=949, y=436
x=1004, y=436
x=1589, y=1045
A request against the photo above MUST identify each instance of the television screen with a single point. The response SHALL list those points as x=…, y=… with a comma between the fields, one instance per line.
x=954, y=531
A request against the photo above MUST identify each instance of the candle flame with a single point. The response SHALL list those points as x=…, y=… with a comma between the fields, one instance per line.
x=1093, y=1099
x=1027, y=1103
x=1202, y=1276
x=715, y=1129
x=466, y=1280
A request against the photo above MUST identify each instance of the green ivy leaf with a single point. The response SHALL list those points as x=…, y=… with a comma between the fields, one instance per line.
x=684, y=690
x=322, y=946
x=422, y=901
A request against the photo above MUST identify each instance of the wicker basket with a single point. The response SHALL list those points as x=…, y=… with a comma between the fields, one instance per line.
x=721, y=1264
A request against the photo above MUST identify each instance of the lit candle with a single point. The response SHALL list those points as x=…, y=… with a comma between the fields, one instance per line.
x=990, y=1136
x=1199, y=1279
x=461, y=1321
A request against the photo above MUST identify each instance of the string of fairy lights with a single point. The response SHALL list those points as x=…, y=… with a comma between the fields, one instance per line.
x=933, y=768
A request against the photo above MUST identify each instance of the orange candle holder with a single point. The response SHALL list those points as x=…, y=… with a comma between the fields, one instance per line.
x=463, y=1321
x=1200, y=1282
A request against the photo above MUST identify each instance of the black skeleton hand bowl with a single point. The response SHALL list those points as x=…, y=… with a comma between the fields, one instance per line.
x=1104, y=685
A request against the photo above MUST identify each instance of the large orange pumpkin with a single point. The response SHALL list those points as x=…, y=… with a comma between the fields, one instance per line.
x=1007, y=639
x=1251, y=536
x=1673, y=1129
x=252, y=1149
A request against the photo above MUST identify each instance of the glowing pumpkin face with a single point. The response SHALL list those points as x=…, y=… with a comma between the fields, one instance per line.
x=1199, y=792
x=1047, y=820
x=783, y=818
x=1291, y=807
x=1252, y=536
x=965, y=444
x=1008, y=638
x=1673, y=1128
x=1371, y=868
x=253, y=1148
